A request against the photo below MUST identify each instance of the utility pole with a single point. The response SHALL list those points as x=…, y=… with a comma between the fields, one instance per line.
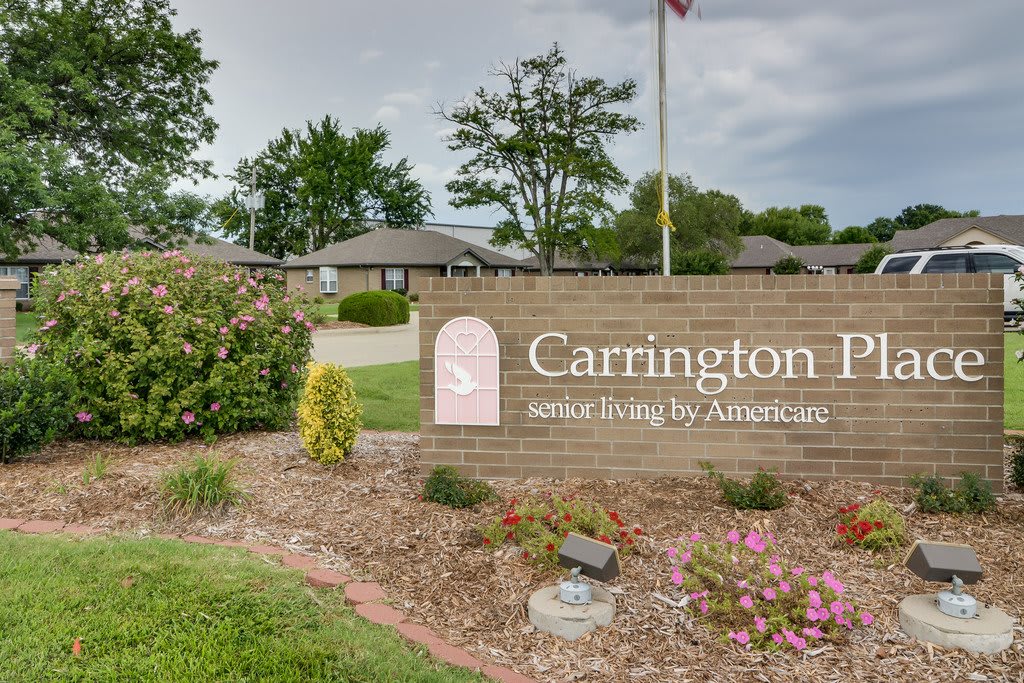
x=663, y=140
x=253, y=201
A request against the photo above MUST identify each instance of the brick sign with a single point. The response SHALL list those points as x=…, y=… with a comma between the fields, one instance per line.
x=849, y=376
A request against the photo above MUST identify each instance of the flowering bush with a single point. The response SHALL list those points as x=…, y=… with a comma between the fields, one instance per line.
x=540, y=526
x=747, y=592
x=162, y=346
x=329, y=415
x=875, y=526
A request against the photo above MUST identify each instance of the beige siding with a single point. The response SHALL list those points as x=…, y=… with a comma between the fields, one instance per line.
x=972, y=236
x=352, y=280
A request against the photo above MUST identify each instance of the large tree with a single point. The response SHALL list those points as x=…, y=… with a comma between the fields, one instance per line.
x=706, y=222
x=322, y=186
x=102, y=106
x=853, y=234
x=806, y=225
x=539, y=154
x=920, y=215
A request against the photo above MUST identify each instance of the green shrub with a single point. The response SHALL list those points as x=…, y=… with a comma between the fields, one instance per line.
x=870, y=259
x=875, y=526
x=446, y=486
x=376, y=309
x=1016, y=444
x=788, y=265
x=764, y=492
x=329, y=415
x=163, y=346
x=414, y=297
x=972, y=494
x=202, y=486
x=36, y=405
x=699, y=262
x=540, y=526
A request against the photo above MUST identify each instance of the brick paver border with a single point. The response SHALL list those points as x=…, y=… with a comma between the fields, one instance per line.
x=366, y=596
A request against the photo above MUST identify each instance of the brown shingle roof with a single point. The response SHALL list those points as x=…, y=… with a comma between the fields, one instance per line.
x=391, y=247
x=214, y=247
x=831, y=254
x=47, y=250
x=761, y=251
x=1008, y=228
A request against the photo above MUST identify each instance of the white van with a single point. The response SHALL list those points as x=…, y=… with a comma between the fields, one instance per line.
x=982, y=258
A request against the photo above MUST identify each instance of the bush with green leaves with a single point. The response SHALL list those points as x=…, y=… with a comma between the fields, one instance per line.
x=1016, y=444
x=36, y=398
x=788, y=265
x=204, y=485
x=764, y=492
x=330, y=417
x=869, y=260
x=875, y=526
x=376, y=309
x=700, y=262
x=971, y=495
x=168, y=345
x=446, y=486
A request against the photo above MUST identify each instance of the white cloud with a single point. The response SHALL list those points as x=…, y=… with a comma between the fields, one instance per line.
x=388, y=113
x=370, y=54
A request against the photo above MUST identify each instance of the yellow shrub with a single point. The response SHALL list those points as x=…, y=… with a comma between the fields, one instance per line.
x=329, y=416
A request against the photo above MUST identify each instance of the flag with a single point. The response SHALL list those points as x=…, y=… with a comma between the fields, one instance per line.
x=681, y=7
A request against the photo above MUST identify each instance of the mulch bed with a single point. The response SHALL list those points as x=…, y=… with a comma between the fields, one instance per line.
x=363, y=519
x=340, y=325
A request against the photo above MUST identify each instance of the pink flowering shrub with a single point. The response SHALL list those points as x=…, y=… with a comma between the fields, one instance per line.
x=743, y=589
x=166, y=345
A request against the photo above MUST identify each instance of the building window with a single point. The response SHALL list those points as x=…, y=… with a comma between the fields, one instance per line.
x=328, y=280
x=309, y=275
x=503, y=272
x=394, y=278
x=21, y=273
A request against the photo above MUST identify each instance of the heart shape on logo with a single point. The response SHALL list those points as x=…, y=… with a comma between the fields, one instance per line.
x=466, y=341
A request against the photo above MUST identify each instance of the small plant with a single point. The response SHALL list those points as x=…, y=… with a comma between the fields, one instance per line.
x=35, y=406
x=329, y=415
x=745, y=591
x=764, y=492
x=94, y=470
x=204, y=485
x=539, y=527
x=378, y=308
x=788, y=265
x=1016, y=444
x=875, y=526
x=972, y=494
x=414, y=297
x=446, y=486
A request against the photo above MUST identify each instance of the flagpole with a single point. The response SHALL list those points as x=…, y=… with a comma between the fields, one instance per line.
x=663, y=137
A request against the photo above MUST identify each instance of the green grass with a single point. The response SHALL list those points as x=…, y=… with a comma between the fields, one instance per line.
x=390, y=395
x=1013, y=391
x=331, y=310
x=24, y=323
x=161, y=610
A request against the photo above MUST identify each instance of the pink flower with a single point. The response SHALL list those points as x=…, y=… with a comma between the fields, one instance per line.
x=694, y=537
x=671, y=552
x=799, y=643
x=822, y=614
x=733, y=537
x=187, y=348
x=159, y=290
x=813, y=580
x=99, y=259
x=703, y=606
x=233, y=321
x=189, y=272
x=742, y=638
x=223, y=330
x=197, y=321
x=837, y=608
x=265, y=371
x=294, y=369
x=222, y=353
x=124, y=290
x=685, y=557
x=286, y=329
x=777, y=638
x=299, y=316
x=214, y=407
x=187, y=417
x=747, y=602
x=768, y=593
x=677, y=578
x=784, y=586
x=84, y=416
x=754, y=542
x=814, y=599
x=797, y=571
x=812, y=614
x=32, y=348
x=60, y=297
x=243, y=326
x=242, y=290
x=49, y=324
x=761, y=624
x=169, y=310
x=115, y=314
x=310, y=326
x=134, y=281
x=867, y=619
x=284, y=385
x=105, y=287
x=775, y=569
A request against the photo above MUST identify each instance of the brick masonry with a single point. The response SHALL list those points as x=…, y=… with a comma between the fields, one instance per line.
x=8, y=290
x=881, y=431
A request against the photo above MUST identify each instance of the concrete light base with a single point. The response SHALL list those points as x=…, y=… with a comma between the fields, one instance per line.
x=549, y=614
x=990, y=632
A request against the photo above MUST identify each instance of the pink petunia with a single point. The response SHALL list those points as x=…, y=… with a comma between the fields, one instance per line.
x=777, y=638
x=747, y=602
x=784, y=586
x=214, y=407
x=812, y=614
x=769, y=593
x=761, y=624
x=775, y=569
x=159, y=290
x=867, y=619
x=822, y=614
x=694, y=537
x=677, y=578
x=797, y=571
x=733, y=537
x=742, y=638
x=84, y=416
x=814, y=599
x=813, y=580
x=188, y=417
x=671, y=552
x=837, y=608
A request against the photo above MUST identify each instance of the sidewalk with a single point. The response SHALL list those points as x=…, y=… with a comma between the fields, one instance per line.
x=369, y=345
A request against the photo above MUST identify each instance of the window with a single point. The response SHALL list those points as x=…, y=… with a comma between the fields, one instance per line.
x=309, y=275
x=995, y=263
x=21, y=273
x=503, y=272
x=903, y=264
x=946, y=263
x=328, y=280
x=394, y=278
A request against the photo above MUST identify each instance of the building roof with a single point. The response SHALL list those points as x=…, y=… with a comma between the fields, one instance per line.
x=562, y=263
x=213, y=247
x=761, y=251
x=46, y=250
x=391, y=247
x=1008, y=228
x=832, y=254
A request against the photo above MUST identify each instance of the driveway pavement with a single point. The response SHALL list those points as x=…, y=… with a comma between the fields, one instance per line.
x=369, y=345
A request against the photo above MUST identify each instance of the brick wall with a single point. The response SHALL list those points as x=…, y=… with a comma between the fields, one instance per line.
x=880, y=431
x=8, y=289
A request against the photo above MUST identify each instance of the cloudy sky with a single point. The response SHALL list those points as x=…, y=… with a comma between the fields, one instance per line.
x=863, y=107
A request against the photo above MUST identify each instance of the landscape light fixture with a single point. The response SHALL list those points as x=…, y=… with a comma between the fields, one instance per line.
x=952, y=618
x=594, y=559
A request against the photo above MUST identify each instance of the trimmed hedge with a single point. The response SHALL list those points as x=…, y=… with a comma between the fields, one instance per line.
x=376, y=309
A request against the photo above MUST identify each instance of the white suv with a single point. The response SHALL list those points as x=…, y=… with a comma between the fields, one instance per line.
x=983, y=258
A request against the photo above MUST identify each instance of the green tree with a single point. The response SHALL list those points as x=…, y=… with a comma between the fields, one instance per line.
x=853, y=234
x=920, y=215
x=882, y=228
x=322, y=186
x=102, y=106
x=539, y=156
x=870, y=259
x=699, y=262
x=705, y=221
x=806, y=225
x=788, y=265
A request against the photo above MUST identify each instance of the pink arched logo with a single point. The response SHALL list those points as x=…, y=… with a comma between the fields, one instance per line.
x=466, y=373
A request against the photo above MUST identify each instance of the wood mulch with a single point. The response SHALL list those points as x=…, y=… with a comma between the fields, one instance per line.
x=340, y=325
x=363, y=518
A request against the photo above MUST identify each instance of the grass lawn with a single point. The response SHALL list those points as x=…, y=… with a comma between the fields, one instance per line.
x=390, y=395
x=331, y=310
x=24, y=323
x=1013, y=391
x=170, y=611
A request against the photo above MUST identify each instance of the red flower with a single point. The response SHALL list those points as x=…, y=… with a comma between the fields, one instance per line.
x=849, y=541
x=865, y=527
x=638, y=531
x=623, y=534
x=487, y=541
x=879, y=524
x=550, y=547
x=530, y=518
x=548, y=517
x=512, y=503
x=854, y=507
x=612, y=514
x=843, y=511
x=509, y=536
x=629, y=541
x=858, y=534
x=567, y=517
x=841, y=529
x=526, y=555
x=605, y=539
x=620, y=523
x=566, y=534
x=877, y=491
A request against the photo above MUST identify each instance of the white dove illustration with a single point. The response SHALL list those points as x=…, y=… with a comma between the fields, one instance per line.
x=466, y=384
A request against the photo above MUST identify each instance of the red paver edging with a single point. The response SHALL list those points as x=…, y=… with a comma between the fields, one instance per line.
x=365, y=595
